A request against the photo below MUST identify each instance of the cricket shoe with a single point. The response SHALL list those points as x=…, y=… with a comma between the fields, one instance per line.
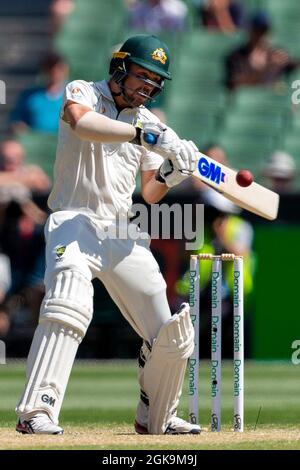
x=175, y=426
x=38, y=424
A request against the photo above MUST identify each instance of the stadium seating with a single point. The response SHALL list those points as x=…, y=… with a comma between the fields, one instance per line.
x=40, y=149
x=281, y=10
x=88, y=35
x=24, y=8
x=295, y=124
x=210, y=45
x=285, y=18
x=250, y=122
x=195, y=116
x=198, y=126
x=262, y=98
x=288, y=39
x=24, y=41
x=197, y=98
x=246, y=152
x=292, y=145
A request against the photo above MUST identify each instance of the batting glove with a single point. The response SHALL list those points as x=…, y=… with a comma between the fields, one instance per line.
x=167, y=142
x=170, y=174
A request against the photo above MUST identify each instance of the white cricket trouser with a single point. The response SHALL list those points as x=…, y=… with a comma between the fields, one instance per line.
x=126, y=267
x=78, y=250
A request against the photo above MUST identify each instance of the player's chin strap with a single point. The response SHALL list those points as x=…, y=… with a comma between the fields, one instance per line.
x=129, y=101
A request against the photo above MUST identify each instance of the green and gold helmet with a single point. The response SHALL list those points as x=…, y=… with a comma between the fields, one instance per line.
x=146, y=51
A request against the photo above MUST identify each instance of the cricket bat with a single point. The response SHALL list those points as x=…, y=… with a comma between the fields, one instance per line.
x=254, y=198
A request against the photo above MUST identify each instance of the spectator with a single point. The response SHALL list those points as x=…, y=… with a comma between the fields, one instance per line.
x=225, y=231
x=59, y=10
x=280, y=170
x=231, y=234
x=222, y=15
x=256, y=62
x=5, y=276
x=240, y=240
x=21, y=231
x=154, y=16
x=4, y=323
x=38, y=108
x=14, y=171
x=5, y=284
x=22, y=241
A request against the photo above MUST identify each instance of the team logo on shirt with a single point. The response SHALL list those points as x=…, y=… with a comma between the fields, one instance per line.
x=60, y=250
x=160, y=55
x=76, y=92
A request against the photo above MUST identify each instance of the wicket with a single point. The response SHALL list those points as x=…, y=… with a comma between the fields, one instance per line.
x=216, y=339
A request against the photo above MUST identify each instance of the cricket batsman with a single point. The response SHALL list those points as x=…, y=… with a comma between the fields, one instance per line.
x=101, y=148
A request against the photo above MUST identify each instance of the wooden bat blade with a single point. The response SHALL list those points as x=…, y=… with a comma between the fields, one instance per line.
x=254, y=198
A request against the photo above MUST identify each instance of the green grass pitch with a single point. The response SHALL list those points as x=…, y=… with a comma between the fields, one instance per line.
x=100, y=402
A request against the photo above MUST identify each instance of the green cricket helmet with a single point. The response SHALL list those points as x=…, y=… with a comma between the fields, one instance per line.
x=147, y=51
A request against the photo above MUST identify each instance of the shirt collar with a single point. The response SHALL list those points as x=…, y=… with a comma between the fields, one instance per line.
x=104, y=89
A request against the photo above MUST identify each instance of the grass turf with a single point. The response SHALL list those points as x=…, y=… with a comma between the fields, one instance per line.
x=100, y=403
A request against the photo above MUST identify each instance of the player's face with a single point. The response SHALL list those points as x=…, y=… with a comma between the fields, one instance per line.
x=137, y=90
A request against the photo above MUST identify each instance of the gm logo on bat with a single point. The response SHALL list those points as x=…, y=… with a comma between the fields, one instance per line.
x=211, y=171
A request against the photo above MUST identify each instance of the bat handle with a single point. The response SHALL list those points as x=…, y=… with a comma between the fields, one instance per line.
x=151, y=139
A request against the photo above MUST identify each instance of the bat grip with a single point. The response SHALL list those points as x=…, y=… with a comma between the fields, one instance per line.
x=151, y=139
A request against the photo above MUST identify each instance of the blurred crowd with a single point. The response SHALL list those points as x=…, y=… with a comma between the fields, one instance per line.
x=24, y=187
x=22, y=216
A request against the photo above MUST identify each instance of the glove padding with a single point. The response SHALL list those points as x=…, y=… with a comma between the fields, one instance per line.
x=187, y=158
x=182, y=153
x=169, y=171
x=167, y=144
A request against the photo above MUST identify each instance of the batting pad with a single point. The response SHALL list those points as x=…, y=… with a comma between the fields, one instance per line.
x=49, y=364
x=142, y=411
x=69, y=300
x=164, y=370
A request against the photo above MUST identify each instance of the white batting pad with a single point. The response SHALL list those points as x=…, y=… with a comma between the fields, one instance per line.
x=65, y=316
x=164, y=370
x=142, y=411
x=69, y=300
x=49, y=364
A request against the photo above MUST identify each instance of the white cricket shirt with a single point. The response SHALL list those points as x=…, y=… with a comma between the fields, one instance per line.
x=95, y=178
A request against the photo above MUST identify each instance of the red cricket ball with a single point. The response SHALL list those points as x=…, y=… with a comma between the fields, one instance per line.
x=244, y=178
